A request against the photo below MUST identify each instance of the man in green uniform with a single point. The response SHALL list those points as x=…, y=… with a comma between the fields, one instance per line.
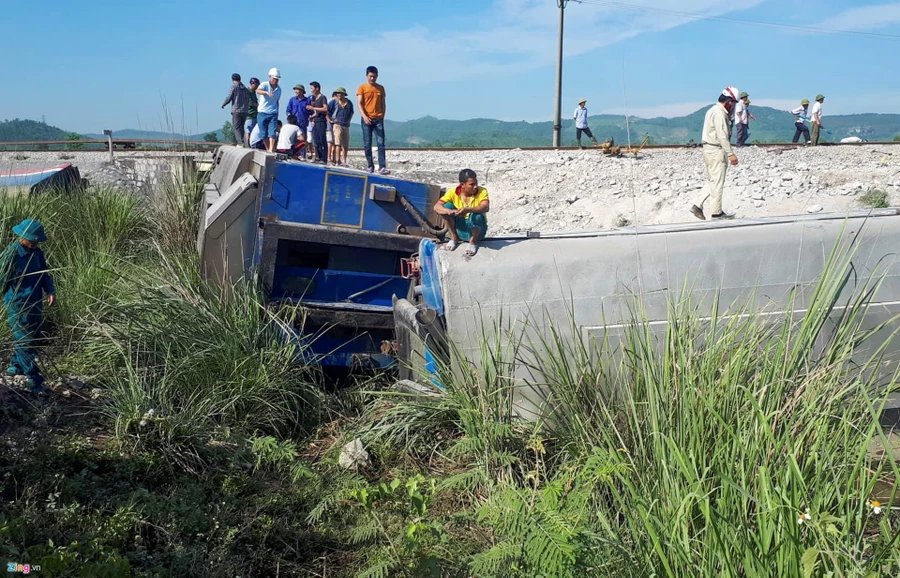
x=26, y=278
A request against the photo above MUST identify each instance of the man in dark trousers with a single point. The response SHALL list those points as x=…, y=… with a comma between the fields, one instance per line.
x=239, y=97
x=318, y=108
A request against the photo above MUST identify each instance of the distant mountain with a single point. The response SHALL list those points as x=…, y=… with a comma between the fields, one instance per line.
x=29, y=130
x=131, y=133
x=771, y=125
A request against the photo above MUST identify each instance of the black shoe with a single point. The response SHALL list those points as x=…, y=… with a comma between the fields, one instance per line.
x=722, y=215
x=697, y=212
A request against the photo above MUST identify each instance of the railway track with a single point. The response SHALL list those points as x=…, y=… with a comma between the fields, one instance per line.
x=182, y=146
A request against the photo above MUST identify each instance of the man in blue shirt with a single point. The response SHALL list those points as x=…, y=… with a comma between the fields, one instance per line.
x=581, y=123
x=340, y=113
x=26, y=278
x=297, y=107
x=267, y=115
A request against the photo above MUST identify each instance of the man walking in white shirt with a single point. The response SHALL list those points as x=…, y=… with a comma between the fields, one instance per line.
x=816, y=119
x=716, y=154
x=581, y=123
x=742, y=118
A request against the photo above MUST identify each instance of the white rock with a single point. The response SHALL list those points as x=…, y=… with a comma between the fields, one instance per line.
x=354, y=456
x=814, y=209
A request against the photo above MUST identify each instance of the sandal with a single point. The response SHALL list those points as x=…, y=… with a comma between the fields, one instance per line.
x=449, y=245
x=471, y=249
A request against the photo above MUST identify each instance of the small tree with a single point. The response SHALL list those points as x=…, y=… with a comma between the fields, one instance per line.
x=74, y=146
x=228, y=132
x=897, y=138
x=211, y=137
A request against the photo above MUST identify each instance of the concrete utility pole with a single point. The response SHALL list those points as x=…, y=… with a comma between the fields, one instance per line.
x=557, y=120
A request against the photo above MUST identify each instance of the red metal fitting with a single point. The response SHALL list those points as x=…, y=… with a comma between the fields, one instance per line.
x=409, y=268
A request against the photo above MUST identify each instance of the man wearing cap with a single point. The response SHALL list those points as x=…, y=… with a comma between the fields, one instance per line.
x=26, y=278
x=581, y=123
x=340, y=113
x=800, y=119
x=742, y=118
x=270, y=96
x=816, y=119
x=297, y=107
x=239, y=97
x=717, y=153
x=252, y=108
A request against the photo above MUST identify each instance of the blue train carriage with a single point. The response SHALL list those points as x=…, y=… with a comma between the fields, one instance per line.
x=335, y=240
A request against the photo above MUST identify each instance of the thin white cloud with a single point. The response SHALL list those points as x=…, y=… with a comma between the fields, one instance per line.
x=864, y=18
x=515, y=36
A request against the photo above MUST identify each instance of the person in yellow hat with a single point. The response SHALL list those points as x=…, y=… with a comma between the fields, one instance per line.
x=340, y=113
x=800, y=118
x=26, y=279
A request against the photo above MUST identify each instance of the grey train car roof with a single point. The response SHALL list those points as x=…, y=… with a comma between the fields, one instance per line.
x=596, y=279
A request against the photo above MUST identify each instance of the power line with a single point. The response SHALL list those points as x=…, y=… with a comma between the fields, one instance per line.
x=792, y=27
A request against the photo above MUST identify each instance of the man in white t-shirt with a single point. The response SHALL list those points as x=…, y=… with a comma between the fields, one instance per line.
x=816, y=119
x=291, y=139
x=742, y=118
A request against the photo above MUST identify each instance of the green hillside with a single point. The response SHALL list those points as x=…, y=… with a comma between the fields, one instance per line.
x=29, y=130
x=771, y=125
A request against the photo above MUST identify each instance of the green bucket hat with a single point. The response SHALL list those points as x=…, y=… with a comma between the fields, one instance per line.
x=820, y=97
x=299, y=87
x=744, y=94
x=339, y=90
x=804, y=101
x=30, y=230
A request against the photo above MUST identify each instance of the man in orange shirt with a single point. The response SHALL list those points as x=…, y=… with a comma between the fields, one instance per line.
x=370, y=98
x=463, y=210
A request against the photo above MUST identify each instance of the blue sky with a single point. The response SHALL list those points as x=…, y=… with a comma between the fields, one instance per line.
x=163, y=64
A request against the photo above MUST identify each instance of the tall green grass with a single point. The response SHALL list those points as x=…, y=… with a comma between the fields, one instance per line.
x=716, y=438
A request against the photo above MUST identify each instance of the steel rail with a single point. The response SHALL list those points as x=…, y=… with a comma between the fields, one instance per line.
x=187, y=146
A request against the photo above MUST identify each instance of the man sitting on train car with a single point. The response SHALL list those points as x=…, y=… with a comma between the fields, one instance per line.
x=290, y=139
x=463, y=210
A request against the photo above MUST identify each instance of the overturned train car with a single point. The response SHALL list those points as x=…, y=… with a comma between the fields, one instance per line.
x=588, y=285
x=333, y=239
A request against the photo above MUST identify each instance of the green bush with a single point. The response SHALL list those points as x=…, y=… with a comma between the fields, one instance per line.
x=874, y=199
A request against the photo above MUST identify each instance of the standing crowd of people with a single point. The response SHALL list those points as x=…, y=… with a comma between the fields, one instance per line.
x=317, y=129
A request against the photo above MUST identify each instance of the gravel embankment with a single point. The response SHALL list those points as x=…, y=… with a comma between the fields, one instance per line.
x=575, y=190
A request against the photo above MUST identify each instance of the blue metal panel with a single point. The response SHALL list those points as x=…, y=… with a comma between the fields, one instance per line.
x=329, y=286
x=304, y=193
x=319, y=195
x=344, y=200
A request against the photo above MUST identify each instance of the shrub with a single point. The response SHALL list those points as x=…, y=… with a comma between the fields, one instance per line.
x=874, y=199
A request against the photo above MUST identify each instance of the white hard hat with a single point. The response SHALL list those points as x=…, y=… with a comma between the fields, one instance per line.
x=732, y=92
x=275, y=73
